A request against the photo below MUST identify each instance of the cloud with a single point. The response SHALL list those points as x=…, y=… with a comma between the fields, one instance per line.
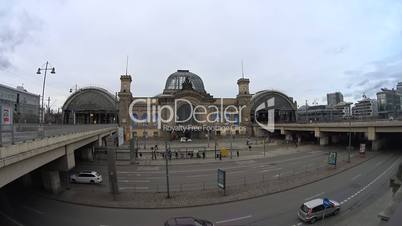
x=306, y=49
x=384, y=73
x=16, y=28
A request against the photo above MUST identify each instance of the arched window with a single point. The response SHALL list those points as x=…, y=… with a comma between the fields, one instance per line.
x=236, y=119
x=144, y=116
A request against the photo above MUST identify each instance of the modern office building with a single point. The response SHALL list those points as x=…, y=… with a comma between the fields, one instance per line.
x=19, y=105
x=399, y=87
x=323, y=113
x=334, y=98
x=389, y=103
x=365, y=108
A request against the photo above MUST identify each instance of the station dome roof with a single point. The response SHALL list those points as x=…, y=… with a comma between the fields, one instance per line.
x=175, y=81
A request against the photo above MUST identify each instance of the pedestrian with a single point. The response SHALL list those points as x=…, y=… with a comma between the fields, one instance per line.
x=238, y=153
x=203, y=154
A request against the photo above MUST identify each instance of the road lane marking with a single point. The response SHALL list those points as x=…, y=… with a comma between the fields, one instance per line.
x=233, y=219
x=33, y=210
x=379, y=163
x=314, y=196
x=355, y=177
x=369, y=184
x=11, y=219
x=200, y=175
x=134, y=181
x=134, y=188
x=273, y=169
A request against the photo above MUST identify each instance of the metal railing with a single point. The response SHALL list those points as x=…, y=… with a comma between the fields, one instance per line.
x=11, y=134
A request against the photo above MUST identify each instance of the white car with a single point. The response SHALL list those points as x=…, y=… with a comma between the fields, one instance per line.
x=185, y=139
x=89, y=177
x=316, y=209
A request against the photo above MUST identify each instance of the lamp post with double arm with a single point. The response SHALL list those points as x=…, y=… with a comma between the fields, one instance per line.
x=52, y=71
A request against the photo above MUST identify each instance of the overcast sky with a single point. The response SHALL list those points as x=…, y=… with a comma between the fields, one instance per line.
x=303, y=48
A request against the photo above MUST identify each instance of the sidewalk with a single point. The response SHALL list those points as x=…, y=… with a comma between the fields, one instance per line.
x=256, y=153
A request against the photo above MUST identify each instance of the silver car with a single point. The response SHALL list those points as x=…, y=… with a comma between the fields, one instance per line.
x=313, y=210
x=91, y=177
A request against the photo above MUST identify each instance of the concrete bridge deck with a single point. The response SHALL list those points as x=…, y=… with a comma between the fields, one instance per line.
x=21, y=158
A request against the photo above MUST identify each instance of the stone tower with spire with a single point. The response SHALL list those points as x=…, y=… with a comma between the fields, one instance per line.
x=125, y=99
x=243, y=99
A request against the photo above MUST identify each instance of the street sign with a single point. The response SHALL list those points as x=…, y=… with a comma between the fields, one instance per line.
x=332, y=158
x=224, y=152
x=120, y=134
x=6, y=115
x=362, y=149
x=326, y=203
x=221, y=179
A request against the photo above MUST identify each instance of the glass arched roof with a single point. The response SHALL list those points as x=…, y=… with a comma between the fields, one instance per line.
x=175, y=81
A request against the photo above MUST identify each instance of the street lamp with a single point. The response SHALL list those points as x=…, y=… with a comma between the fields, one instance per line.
x=350, y=133
x=52, y=71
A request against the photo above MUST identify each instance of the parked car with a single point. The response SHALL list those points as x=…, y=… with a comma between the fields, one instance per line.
x=185, y=139
x=90, y=177
x=315, y=209
x=187, y=221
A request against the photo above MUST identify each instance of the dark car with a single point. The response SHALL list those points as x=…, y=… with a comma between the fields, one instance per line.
x=187, y=221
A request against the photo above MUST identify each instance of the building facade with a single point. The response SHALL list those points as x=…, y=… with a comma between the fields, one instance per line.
x=389, y=103
x=335, y=111
x=22, y=105
x=90, y=105
x=365, y=109
x=334, y=98
x=198, y=114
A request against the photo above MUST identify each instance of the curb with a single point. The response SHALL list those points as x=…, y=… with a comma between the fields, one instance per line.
x=206, y=204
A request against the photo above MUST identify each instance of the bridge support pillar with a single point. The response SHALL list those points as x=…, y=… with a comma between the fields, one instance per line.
x=87, y=153
x=27, y=180
x=288, y=137
x=335, y=139
x=324, y=140
x=51, y=181
x=376, y=145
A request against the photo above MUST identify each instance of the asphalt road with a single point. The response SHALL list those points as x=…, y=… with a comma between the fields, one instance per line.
x=189, y=177
x=353, y=188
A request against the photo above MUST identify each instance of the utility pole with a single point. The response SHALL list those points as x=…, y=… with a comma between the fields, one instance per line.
x=167, y=170
x=48, y=108
x=132, y=150
x=231, y=143
x=42, y=113
x=52, y=71
x=306, y=112
x=350, y=134
x=111, y=158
